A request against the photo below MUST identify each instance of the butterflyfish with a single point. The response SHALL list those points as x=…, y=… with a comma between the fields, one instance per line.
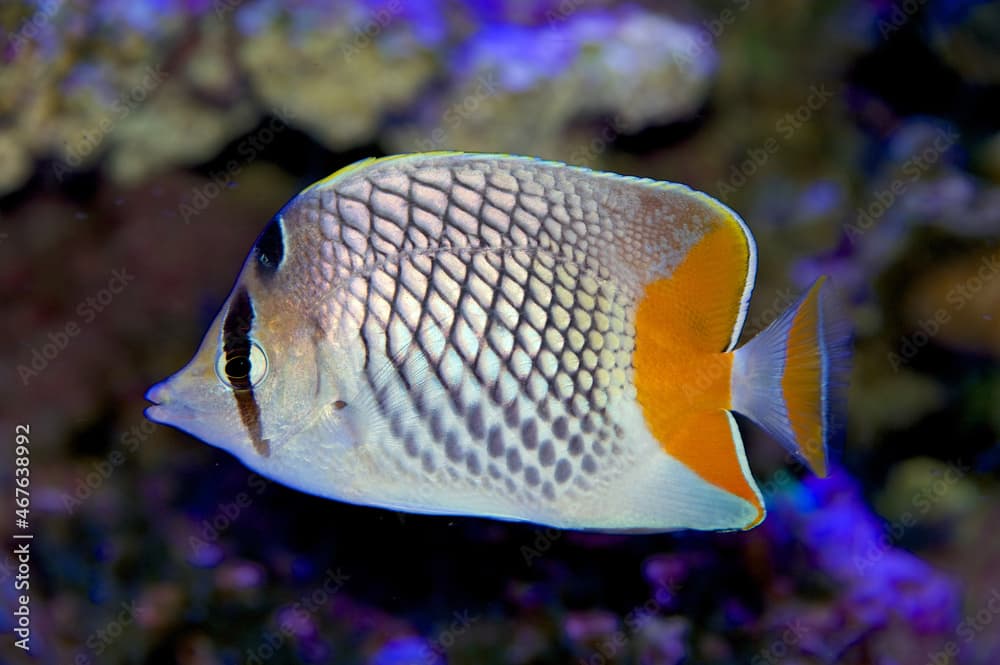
x=507, y=337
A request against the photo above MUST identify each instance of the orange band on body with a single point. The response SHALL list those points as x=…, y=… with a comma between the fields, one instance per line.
x=682, y=376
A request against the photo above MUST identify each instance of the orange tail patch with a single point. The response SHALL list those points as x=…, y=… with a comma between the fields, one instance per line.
x=684, y=327
x=802, y=385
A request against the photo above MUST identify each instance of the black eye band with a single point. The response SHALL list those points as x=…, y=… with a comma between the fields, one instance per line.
x=236, y=347
x=270, y=247
x=236, y=340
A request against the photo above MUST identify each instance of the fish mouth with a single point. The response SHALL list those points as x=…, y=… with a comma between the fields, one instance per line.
x=165, y=410
x=156, y=413
x=160, y=413
x=157, y=394
x=172, y=414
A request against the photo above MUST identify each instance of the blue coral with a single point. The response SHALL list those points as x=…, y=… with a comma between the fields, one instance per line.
x=406, y=651
x=858, y=552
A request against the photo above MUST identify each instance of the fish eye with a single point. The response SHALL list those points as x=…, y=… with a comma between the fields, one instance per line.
x=244, y=369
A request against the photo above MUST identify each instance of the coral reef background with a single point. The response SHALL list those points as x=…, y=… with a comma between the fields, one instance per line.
x=144, y=144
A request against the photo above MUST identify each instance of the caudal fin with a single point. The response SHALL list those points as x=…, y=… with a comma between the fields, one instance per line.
x=789, y=378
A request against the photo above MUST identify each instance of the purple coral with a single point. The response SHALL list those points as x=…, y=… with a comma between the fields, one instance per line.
x=858, y=552
x=406, y=651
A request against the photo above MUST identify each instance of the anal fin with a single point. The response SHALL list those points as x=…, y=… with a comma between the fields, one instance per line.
x=709, y=444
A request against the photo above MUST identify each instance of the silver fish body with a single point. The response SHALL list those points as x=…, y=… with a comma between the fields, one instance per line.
x=454, y=333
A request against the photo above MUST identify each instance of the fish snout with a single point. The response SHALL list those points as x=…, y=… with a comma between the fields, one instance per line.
x=180, y=399
x=170, y=407
x=159, y=395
